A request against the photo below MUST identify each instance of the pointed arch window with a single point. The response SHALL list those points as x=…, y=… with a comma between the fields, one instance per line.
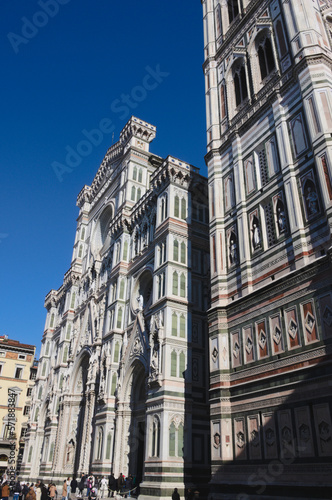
x=266, y=57
x=122, y=289
x=133, y=193
x=47, y=351
x=44, y=369
x=125, y=250
x=108, y=446
x=176, y=206
x=155, y=437
x=182, y=326
x=113, y=387
x=140, y=175
x=68, y=332
x=116, y=352
x=50, y=458
x=52, y=321
x=183, y=209
x=80, y=252
x=135, y=173
x=176, y=250
x=218, y=21
x=240, y=85
x=281, y=38
x=174, y=362
x=65, y=355
x=175, y=283
x=172, y=440
x=174, y=324
x=233, y=10
x=176, y=440
x=183, y=253
x=72, y=303
x=182, y=285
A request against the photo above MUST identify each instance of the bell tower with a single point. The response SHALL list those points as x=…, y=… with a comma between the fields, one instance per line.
x=268, y=80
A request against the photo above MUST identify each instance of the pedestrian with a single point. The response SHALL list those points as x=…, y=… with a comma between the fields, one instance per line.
x=5, y=490
x=31, y=495
x=52, y=491
x=38, y=490
x=81, y=485
x=103, y=487
x=17, y=490
x=73, y=485
x=111, y=485
x=64, y=490
x=44, y=492
x=175, y=494
x=68, y=488
x=25, y=491
x=190, y=494
x=120, y=482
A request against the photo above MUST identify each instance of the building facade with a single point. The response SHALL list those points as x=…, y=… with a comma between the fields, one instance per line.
x=17, y=377
x=122, y=380
x=267, y=67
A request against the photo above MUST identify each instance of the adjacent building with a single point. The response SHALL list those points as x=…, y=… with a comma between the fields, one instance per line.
x=269, y=125
x=122, y=380
x=17, y=375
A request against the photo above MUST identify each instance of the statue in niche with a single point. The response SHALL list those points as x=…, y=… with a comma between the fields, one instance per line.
x=281, y=217
x=233, y=253
x=155, y=355
x=256, y=234
x=92, y=370
x=140, y=302
x=311, y=198
x=216, y=440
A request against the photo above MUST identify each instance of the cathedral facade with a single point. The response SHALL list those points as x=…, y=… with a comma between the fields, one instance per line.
x=269, y=124
x=122, y=380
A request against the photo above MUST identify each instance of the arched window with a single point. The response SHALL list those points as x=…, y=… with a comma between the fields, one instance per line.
x=140, y=175
x=233, y=10
x=182, y=285
x=100, y=440
x=172, y=440
x=133, y=193
x=240, y=85
x=218, y=21
x=65, y=355
x=47, y=350
x=61, y=381
x=68, y=332
x=52, y=321
x=174, y=324
x=182, y=364
x=50, y=458
x=182, y=326
x=155, y=437
x=183, y=253
x=113, y=387
x=176, y=250
x=72, y=303
x=176, y=206
x=163, y=208
x=40, y=392
x=135, y=173
x=183, y=209
x=30, y=454
x=281, y=38
x=119, y=320
x=108, y=446
x=116, y=351
x=175, y=283
x=174, y=362
x=266, y=58
x=122, y=288
x=44, y=369
x=82, y=233
x=125, y=250
x=80, y=252
x=138, y=194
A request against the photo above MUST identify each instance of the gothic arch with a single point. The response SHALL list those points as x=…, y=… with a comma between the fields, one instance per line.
x=101, y=238
x=259, y=43
x=81, y=361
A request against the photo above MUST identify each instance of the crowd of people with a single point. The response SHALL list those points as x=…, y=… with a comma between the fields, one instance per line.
x=86, y=487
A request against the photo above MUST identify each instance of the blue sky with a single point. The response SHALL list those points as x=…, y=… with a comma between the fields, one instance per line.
x=66, y=66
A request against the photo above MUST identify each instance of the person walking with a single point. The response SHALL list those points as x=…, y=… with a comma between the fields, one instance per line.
x=38, y=491
x=17, y=490
x=175, y=494
x=103, y=487
x=111, y=485
x=73, y=486
x=81, y=485
x=120, y=482
x=5, y=490
x=52, y=491
x=31, y=495
x=64, y=490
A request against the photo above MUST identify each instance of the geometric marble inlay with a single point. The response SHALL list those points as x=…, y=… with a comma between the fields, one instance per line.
x=214, y=354
x=327, y=316
x=309, y=322
x=262, y=339
x=277, y=335
x=236, y=349
x=292, y=328
x=269, y=436
x=249, y=345
x=240, y=439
